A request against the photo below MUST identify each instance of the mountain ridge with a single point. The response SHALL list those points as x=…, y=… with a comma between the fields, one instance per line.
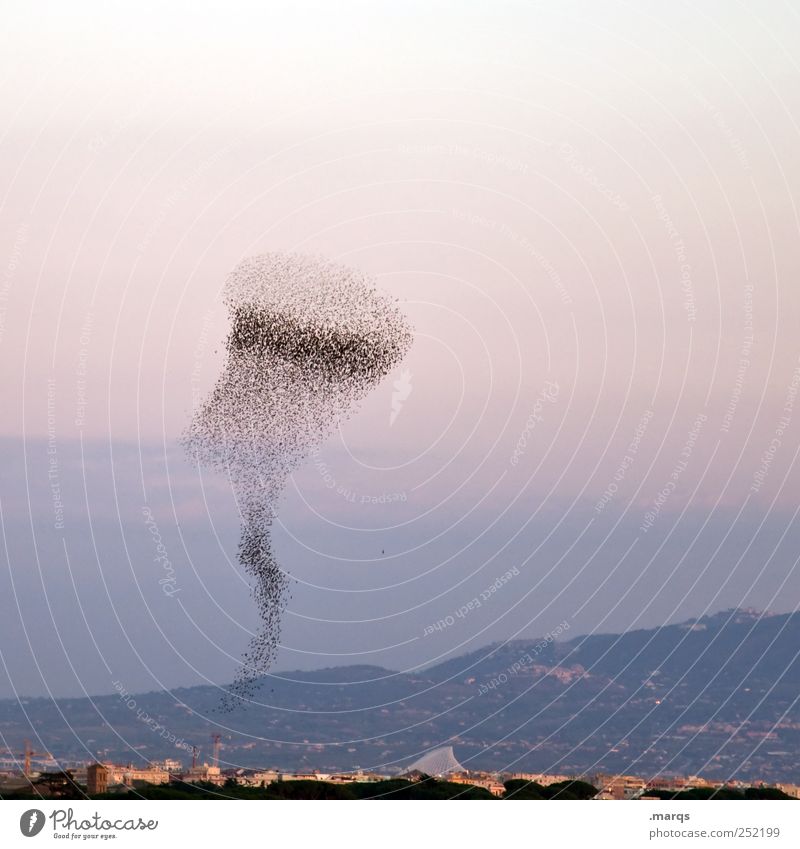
x=716, y=695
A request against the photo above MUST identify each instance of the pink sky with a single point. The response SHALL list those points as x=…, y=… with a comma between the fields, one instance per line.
x=586, y=200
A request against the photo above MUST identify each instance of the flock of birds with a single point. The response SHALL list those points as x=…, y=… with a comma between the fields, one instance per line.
x=309, y=339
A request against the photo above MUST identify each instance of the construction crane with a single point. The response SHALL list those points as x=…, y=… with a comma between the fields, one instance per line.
x=216, y=738
x=28, y=755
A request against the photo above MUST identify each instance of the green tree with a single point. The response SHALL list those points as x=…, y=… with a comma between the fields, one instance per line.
x=518, y=788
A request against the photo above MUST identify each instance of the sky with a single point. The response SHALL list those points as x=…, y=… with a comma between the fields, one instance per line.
x=586, y=211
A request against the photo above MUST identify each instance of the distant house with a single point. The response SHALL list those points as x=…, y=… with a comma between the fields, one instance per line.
x=96, y=779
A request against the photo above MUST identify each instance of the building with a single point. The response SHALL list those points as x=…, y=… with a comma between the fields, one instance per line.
x=169, y=765
x=350, y=777
x=96, y=779
x=132, y=776
x=495, y=787
x=257, y=778
x=543, y=778
x=792, y=790
x=672, y=784
x=205, y=773
x=618, y=786
x=302, y=776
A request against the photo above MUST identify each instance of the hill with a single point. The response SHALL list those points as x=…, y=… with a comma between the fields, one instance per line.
x=716, y=696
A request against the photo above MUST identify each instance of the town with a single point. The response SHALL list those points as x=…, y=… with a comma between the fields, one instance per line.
x=39, y=775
